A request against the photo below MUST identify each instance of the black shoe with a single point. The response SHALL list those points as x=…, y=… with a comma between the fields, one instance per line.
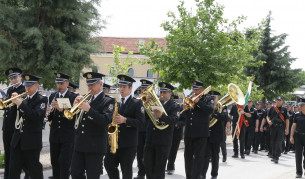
x=170, y=172
x=247, y=152
x=139, y=177
x=224, y=158
x=235, y=156
x=255, y=151
x=272, y=160
x=242, y=156
x=214, y=178
x=50, y=177
x=298, y=176
x=285, y=152
x=276, y=161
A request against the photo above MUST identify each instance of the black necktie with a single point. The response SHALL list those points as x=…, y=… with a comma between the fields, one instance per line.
x=122, y=103
x=61, y=96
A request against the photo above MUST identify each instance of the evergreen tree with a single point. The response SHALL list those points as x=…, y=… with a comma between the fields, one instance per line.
x=42, y=37
x=275, y=76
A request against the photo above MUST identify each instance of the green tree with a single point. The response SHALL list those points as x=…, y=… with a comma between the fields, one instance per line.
x=201, y=45
x=121, y=65
x=42, y=37
x=275, y=76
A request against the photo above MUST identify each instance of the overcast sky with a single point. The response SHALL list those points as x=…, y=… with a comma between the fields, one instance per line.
x=142, y=18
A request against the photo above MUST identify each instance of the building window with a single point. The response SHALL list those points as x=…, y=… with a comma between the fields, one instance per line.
x=131, y=72
x=95, y=69
x=150, y=74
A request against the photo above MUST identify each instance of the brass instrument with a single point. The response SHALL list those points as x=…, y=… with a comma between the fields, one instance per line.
x=149, y=98
x=113, y=131
x=190, y=101
x=5, y=104
x=74, y=110
x=234, y=95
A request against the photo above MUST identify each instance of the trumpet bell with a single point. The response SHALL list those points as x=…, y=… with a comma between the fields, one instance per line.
x=68, y=114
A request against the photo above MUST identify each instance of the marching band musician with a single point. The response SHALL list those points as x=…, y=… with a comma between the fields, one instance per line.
x=142, y=136
x=91, y=130
x=72, y=87
x=196, y=131
x=9, y=117
x=27, y=139
x=158, y=142
x=62, y=130
x=106, y=88
x=131, y=116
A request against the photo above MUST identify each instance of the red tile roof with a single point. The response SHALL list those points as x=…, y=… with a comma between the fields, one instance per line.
x=130, y=44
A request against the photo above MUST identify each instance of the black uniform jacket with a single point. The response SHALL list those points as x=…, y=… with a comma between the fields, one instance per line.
x=165, y=136
x=251, y=120
x=62, y=129
x=217, y=130
x=9, y=116
x=92, y=132
x=275, y=117
x=133, y=110
x=33, y=112
x=300, y=122
x=197, y=120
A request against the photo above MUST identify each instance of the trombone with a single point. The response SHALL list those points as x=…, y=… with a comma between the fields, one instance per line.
x=190, y=101
x=74, y=110
x=5, y=104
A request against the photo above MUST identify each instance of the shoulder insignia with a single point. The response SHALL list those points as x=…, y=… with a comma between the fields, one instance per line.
x=142, y=109
x=43, y=105
x=110, y=107
x=178, y=114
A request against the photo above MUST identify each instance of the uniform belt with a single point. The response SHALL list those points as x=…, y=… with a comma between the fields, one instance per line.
x=278, y=125
x=300, y=133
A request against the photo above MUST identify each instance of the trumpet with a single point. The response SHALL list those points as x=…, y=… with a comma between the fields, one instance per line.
x=190, y=101
x=4, y=104
x=74, y=110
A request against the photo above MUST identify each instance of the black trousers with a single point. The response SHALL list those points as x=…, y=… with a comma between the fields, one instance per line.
x=61, y=155
x=212, y=152
x=268, y=140
x=173, y=152
x=241, y=140
x=86, y=163
x=299, y=141
x=223, y=145
x=258, y=140
x=287, y=143
x=7, y=138
x=29, y=158
x=249, y=136
x=194, y=152
x=124, y=157
x=155, y=157
x=140, y=153
x=277, y=136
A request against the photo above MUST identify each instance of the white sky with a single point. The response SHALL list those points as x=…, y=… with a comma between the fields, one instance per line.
x=142, y=18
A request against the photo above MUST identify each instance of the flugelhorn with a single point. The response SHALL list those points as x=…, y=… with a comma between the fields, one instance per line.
x=74, y=110
x=4, y=104
x=190, y=101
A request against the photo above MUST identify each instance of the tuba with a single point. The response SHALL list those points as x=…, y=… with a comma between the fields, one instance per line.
x=5, y=104
x=113, y=131
x=190, y=101
x=74, y=110
x=234, y=95
x=149, y=99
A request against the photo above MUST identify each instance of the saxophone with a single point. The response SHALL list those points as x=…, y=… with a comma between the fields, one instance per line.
x=113, y=131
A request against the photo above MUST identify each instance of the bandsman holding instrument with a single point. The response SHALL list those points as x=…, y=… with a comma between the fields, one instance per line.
x=197, y=118
x=9, y=117
x=129, y=118
x=27, y=139
x=159, y=139
x=106, y=88
x=62, y=130
x=142, y=135
x=91, y=125
x=72, y=87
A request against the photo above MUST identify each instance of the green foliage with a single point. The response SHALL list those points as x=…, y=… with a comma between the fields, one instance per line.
x=275, y=76
x=201, y=45
x=121, y=66
x=42, y=37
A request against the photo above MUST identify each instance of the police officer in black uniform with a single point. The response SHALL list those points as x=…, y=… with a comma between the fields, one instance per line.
x=258, y=138
x=287, y=137
x=9, y=117
x=279, y=123
x=158, y=141
x=72, y=87
x=62, y=129
x=106, y=88
x=142, y=136
x=131, y=116
x=227, y=128
x=177, y=136
x=91, y=129
x=297, y=137
x=214, y=140
x=234, y=115
x=265, y=128
x=27, y=139
x=251, y=117
x=196, y=131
